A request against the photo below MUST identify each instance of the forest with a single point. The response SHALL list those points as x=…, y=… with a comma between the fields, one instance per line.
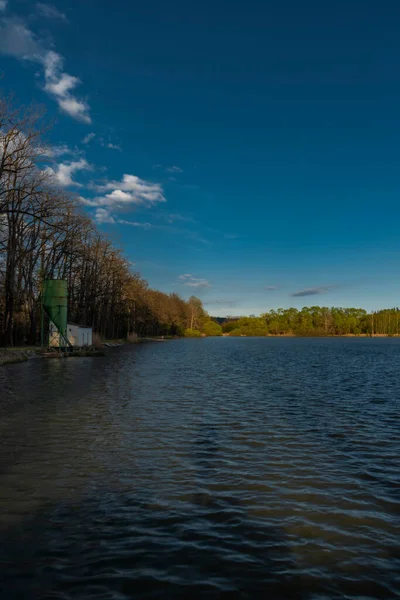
x=45, y=234
x=316, y=321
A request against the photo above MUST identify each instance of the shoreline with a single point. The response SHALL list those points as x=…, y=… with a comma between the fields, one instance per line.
x=19, y=354
x=344, y=335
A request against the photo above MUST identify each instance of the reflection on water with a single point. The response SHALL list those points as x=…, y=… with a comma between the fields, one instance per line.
x=217, y=468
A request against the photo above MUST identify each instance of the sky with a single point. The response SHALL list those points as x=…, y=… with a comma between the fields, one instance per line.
x=244, y=152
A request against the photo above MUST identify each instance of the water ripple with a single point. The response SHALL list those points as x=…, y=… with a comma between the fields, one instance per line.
x=218, y=468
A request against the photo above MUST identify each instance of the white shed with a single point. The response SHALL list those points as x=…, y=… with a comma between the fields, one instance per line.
x=79, y=335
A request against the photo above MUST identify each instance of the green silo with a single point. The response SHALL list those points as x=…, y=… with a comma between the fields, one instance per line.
x=55, y=305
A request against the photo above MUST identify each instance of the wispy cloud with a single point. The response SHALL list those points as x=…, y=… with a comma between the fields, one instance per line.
x=104, y=216
x=88, y=138
x=198, y=283
x=173, y=217
x=271, y=288
x=62, y=173
x=167, y=169
x=131, y=193
x=197, y=237
x=3, y=5
x=58, y=150
x=138, y=224
x=50, y=11
x=315, y=291
x=225, y=303
x=108, y=144
x=194, y=282
x=17, y=40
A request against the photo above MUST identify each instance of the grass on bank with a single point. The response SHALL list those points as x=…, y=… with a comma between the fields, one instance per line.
x=17, y=354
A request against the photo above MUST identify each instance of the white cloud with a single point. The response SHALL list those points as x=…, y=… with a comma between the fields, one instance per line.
x=18, y=41
x=88, y=138
x=102, y=216
x=194, y=282
x=56, y=151
x=85, y=201
x=60, y=85
x=117, y=196
x=60, y=150
x=50, y=12
x=104, y=144
x=3, y=4
x=130, y=190
x=63, y=172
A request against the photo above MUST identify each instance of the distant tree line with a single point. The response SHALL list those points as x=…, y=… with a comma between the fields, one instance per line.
x=316, y=321
x=45, y=235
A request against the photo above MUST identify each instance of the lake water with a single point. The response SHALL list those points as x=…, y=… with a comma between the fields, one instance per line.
x=215, y=468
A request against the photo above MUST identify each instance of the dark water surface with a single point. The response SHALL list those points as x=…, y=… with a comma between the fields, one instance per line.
x=216, y=468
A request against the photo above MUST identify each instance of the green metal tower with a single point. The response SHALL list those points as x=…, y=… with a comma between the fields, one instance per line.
x=55, y=306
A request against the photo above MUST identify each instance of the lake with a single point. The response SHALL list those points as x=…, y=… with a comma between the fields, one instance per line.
x=211, y=468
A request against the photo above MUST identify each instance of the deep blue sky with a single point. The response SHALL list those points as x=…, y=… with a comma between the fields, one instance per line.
x=266, y=136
